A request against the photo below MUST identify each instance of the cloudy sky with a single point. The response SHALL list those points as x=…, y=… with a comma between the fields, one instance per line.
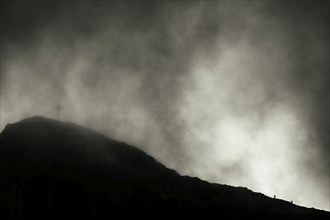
x=233, y=92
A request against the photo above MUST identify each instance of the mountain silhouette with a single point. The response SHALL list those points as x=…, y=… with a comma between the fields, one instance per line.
x=57, y=170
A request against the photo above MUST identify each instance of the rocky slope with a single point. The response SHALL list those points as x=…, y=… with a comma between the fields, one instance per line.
x=55, y=170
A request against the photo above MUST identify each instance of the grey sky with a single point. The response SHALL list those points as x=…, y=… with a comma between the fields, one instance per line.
x=232, y=92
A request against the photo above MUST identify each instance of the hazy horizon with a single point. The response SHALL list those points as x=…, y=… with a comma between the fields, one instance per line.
x=232, y=92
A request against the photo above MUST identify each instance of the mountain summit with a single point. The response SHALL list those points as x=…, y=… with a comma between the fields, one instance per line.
x=56, y=170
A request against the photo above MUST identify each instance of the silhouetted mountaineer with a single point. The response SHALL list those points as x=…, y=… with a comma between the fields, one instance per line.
x=55, y=170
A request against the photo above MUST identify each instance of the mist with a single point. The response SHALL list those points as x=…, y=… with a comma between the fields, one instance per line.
x=232, y=92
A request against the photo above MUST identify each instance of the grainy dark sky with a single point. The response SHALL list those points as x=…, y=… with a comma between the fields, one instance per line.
x=234, y=92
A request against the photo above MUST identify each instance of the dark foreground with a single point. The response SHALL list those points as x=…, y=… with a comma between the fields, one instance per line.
x=54, y=170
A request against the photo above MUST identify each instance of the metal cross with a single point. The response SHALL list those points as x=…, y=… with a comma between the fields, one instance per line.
x=58, y=108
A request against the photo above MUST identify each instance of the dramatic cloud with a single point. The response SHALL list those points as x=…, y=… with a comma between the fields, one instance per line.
x=232, y=92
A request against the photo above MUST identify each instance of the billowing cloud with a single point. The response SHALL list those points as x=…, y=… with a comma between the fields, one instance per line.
x=232, y=92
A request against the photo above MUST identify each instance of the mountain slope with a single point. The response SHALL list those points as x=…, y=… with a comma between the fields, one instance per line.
x=55, y=170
